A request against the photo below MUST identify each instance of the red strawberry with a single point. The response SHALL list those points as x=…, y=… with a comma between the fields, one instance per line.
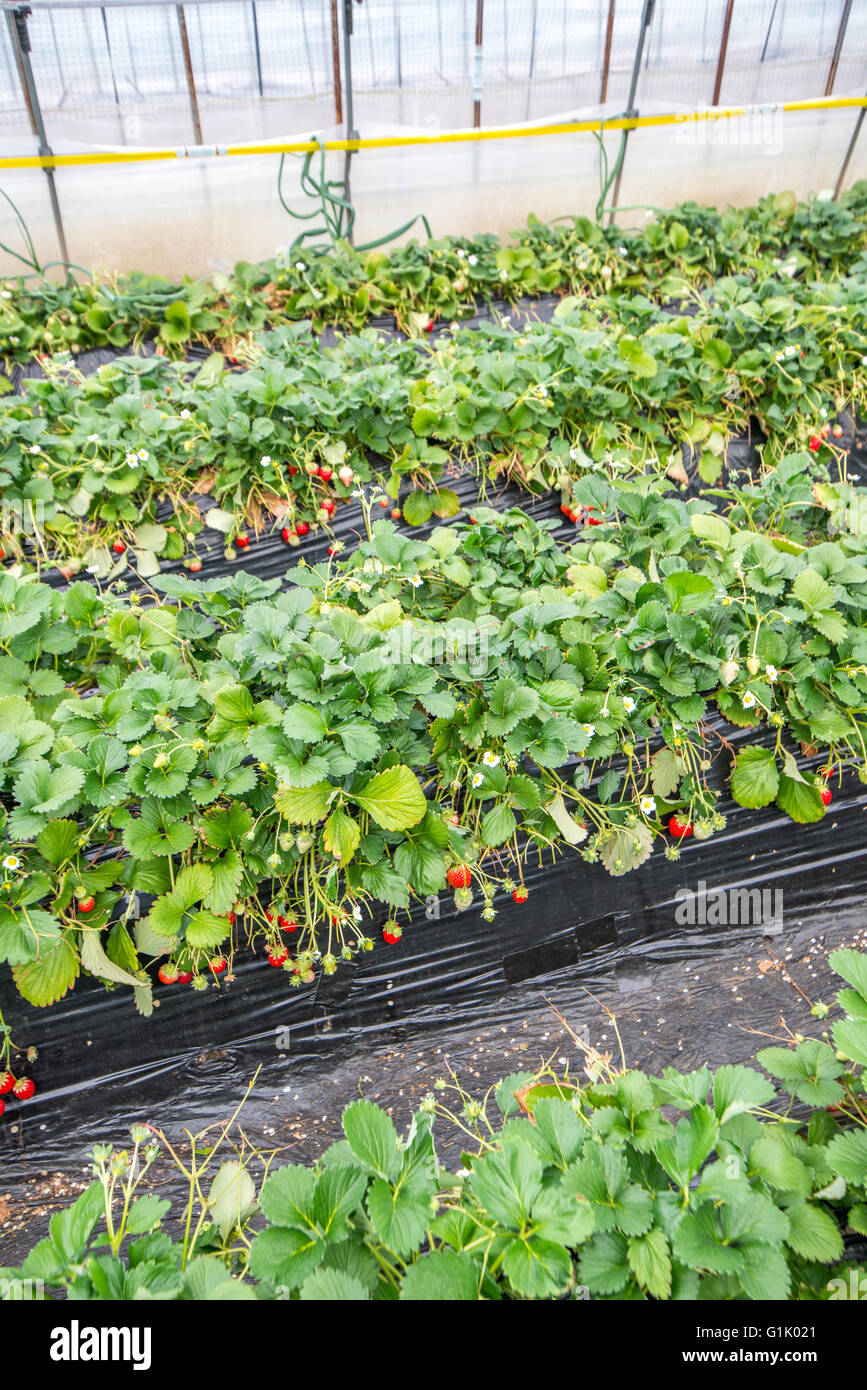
x=184, y=977
x=278, y=955
x=86, y=904
x=520, y=894
x=472, y=520
x=24, y=1088
x=837, y=431
x=269, y=916
x=2, y=1107
x=459, y=876
x=428, y=328
x=326, y=474
x=815, y=443
x=242, y=542
x=293, y=469
x=679, y=828
x=217, y=964
x=825, y=794
x=302, y=528
x=391, y=933
x=195, y=566
x=118, y=547
x=7, y=1081
x=328, y=505
x=286, y=924
x=168, y=974
x=332, y=550
x=286, y=533
x=395, y=511
x=383, y=501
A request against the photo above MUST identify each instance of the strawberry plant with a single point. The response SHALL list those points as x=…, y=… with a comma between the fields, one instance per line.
x=236, y=753
x=603, y=1183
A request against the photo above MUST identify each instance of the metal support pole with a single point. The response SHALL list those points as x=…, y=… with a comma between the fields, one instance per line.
x=606, y=61
x=532, y=67
x=723, y=48
x=351, y=132
x=188, y=68
x=838, y=47
x=18, y=33
x=477, y=66
x=646, y=17
x=335, y=64
x=850, y=151
x=257, y=48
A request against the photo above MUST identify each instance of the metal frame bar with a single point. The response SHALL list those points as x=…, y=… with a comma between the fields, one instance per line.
x=646, y=18
x=477, y=65
x=188, y=68
x=18, y=32
x=723, y=49
x=838, y=47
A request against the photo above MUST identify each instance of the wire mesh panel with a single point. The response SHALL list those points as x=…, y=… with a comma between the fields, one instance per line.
x=132, y=73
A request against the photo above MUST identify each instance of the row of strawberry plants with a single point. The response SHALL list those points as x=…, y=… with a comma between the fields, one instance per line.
x=280, y=768
x=105, y=470
x=606, y=1183
x=445, y=279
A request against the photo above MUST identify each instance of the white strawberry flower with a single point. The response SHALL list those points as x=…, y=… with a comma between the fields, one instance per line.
x=264, y=460
x=11, y=862
x=478, y=779
x=472, y=260
x=416, y=581
x=93, y=439
x=490, y=759
x=771, y=672
x=300, y=266
x=748, y=700
x=185, y=414
x=628, y=704
x=143, y=455
x=648, y=805
x=589, y=729
x=35, y=449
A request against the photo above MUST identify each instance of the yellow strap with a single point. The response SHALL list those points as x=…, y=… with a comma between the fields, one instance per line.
x=455, y=137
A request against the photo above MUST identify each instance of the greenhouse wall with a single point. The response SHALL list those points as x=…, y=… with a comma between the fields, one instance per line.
x=120, y=77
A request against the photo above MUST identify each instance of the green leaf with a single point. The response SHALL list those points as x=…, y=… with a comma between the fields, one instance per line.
x=285, y=1255
x=809, y=1071
x=506, y=1183
x=332, y=1286
x=755, y=778
x=813, y=1233
x=649, y=1258
x=393, y=798
x=852, y=966
x=94, y=959
x=537, y=1268
x=800, y=800
x=372, y=1138
x=145, y=1213
x=443, y=1276
x=847, y=1154
x=737, y=1089
x=498, y=824
x=51, y=975
x=604, y=1264
x=850, y=1038
x=342, y=836
x=304, y=805
x=400, y=1215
